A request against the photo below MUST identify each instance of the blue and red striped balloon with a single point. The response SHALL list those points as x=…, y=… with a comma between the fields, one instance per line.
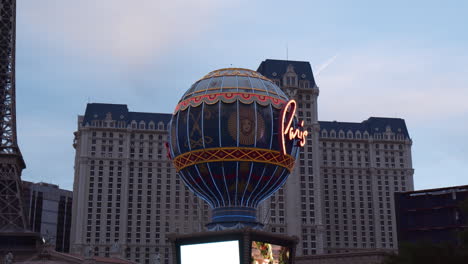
x=225, y=138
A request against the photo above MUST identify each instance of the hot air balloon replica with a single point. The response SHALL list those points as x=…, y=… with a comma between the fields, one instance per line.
x=234, y=138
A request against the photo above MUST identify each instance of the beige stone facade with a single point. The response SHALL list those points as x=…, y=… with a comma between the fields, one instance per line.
x=126, y=192
x=359, y=178
x=296, y=209
x=340, y=196
x=338, y=199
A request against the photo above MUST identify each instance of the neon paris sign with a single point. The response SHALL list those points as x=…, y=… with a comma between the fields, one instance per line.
x=286, y=129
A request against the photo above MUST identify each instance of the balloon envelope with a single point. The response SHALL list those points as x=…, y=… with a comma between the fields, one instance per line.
x=225, y=142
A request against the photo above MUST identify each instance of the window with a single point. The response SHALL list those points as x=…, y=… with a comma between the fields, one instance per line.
x=290, y=81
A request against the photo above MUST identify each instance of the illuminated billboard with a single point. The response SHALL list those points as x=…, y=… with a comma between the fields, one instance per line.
x=267, y=253
x=226, y=252
x=237, y=246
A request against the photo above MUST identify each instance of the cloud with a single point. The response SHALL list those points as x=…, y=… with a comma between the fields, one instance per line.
x=427, y=87
x=325, y=65
x=421, y=85
x=130, y=32
x=432, y=168
x=47, y=149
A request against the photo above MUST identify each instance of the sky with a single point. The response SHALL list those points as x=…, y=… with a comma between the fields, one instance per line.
x=406, y=59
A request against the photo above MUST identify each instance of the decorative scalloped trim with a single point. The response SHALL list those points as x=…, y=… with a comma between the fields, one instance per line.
x=233, y=154
x=233, y=90
x=246, y=98
x=235, y=72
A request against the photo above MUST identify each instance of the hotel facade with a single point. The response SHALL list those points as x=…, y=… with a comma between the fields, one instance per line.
x=127, y=196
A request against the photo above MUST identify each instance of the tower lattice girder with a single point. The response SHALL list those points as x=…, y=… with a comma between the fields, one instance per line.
x=7, y=77
x=12, y=217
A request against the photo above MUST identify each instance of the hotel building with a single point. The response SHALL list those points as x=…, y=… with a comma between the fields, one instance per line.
x=126, y=192
x=340, y=196
x=338, y=199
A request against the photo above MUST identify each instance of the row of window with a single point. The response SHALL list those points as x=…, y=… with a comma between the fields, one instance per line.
x=123, y=124
x=110, y=135
x=292, y=81
x=359, y=135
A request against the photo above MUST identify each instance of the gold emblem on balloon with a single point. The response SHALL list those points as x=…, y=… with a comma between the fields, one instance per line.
x=249, y=131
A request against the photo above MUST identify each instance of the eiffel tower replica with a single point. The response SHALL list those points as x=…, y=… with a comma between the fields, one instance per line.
x=14, y=234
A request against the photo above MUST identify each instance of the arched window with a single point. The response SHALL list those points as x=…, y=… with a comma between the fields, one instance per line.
x=290, y=77
x=161, y=126
x=333, y=134
x=341, y=134
x=358, y=134
x=151, y=125
x=324, y=133
x=350, y=134
x=142, y=125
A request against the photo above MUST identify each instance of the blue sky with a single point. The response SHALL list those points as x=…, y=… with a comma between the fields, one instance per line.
x=405, y=59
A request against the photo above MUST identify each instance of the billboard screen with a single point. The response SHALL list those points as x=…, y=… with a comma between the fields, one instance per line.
x=226, y=252
x=267, y=253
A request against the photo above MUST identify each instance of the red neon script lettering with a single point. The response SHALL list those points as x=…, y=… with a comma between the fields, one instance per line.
x=287, y=116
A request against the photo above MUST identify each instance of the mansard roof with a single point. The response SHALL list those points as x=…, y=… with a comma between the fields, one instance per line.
x=302, y=68
x=148, y=117
x=372, y=125
x=119, y=112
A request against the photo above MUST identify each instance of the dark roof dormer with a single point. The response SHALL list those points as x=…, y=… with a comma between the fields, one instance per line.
x=277, y=69
x=97, y=113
